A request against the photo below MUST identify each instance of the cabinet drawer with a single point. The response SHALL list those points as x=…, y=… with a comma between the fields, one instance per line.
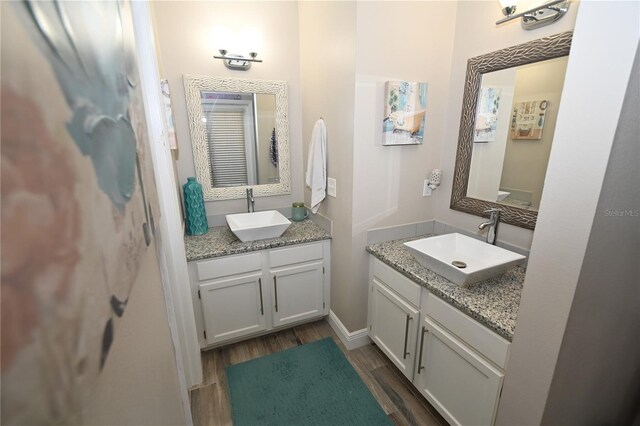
x=491, y=345
x=397, y=282
x=295, y=254
x=228, y=265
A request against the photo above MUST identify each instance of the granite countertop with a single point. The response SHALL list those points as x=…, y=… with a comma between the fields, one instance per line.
x=494, y=302
x=220, y=241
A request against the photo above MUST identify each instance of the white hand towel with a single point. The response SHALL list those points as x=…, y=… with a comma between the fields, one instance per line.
x=316, y=178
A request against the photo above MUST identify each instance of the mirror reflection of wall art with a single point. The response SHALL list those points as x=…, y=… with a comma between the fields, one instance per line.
x=487, y=115
x=527, y=120
x=166, y=100
x=405, y=106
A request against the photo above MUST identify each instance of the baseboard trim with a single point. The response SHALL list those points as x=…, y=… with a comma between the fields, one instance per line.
x=351, y=340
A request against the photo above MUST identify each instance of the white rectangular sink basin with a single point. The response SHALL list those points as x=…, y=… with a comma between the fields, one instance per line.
x=258, y=225
x=479, y=261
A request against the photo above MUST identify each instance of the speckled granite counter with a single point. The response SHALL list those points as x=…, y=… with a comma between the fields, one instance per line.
x=220, y=241
x=494, y=302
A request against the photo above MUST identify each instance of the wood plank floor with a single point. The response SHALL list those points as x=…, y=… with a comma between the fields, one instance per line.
x=403, y=404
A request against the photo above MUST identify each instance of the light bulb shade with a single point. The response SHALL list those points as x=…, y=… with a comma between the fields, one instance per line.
x=508, y=6
x=222, y=38
x=507, y=3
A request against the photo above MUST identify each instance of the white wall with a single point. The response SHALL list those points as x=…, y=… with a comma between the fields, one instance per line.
x=476, y=34
x=348, y=51
x=602, y=331
x=187, y=40
x=171, y=249
x=409, y=41
x=388, y=180
x=604, y=35
x=327, y=67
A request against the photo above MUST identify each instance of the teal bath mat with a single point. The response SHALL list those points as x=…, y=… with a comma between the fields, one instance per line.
x=312, y=384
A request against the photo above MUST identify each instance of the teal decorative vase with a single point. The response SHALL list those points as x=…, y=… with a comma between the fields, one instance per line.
x=195, y=214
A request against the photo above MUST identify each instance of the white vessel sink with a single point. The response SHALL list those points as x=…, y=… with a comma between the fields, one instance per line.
x=479, y=260
x=258, y=225
x=502, y=195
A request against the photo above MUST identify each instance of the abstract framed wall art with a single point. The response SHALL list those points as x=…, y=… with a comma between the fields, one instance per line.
x=527, y=120
x=78, y=200
x=405, y=107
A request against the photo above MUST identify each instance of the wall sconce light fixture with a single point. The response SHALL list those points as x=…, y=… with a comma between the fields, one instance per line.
x=536, y=17
x=237, y=62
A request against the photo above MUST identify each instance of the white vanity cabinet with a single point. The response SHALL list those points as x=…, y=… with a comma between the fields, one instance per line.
x=455, y=379
x=298, y=284
x=458, y=364
x=244, y=295
x=394, y=315
x=229, y=294
x=232, y=307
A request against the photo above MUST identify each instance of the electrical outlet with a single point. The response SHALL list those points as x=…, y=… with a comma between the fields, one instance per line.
x=331, y=187
x=426, y=190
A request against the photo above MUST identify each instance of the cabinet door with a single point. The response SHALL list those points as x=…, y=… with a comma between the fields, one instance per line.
x=298, y=293
x=462, y=385
x=232, y=307
x=393, y=326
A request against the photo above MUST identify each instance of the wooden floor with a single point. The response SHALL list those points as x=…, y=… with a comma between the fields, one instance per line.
x=397, y=397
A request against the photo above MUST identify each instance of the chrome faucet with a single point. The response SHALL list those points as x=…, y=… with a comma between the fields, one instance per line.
x=250, y=201
x=492, y=223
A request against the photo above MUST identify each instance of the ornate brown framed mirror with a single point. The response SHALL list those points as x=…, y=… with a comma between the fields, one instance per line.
x=503, y=149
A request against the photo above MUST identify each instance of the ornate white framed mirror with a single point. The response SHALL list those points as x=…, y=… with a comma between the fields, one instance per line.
x=240, y=136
